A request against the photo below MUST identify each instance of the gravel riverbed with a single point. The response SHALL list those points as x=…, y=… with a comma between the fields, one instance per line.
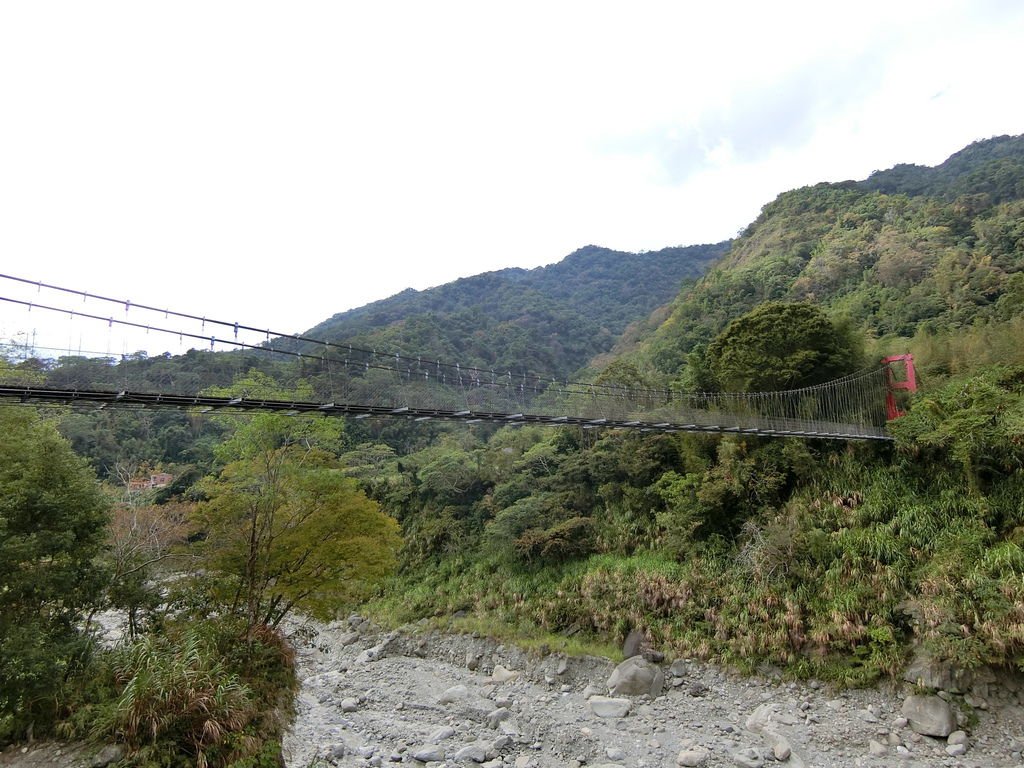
x=428, y=698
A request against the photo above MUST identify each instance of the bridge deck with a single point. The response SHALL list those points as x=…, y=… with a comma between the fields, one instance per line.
x=715, y=423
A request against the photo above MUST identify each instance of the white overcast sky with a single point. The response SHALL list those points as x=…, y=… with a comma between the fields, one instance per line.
x=276, y=163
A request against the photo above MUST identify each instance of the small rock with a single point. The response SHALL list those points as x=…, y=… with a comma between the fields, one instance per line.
x=780, y=745
x=877, y=749
x=502, y=675
x=975, y=701
x=694, y=756
x=496, y=716
x=616, y=754
x=429, y=754
x=349, y=704
x=471, y=753
x=445, y=732
x=631, y=647
x=336, y=751
x=955, y=750
x=760, y=718
x=348, y=638
x=605, y=706
x=750, y=757
x=453, y=694
x=111, y=753
x=957, y=737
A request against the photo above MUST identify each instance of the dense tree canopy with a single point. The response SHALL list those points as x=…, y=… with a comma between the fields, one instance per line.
x=52, y=526
x=780, y=346
x=285, y=528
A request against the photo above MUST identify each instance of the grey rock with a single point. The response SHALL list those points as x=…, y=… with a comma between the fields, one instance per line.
x=616, y=754
x=634, y=641
x=760, y=717
x=336, y=751
x=605, y=706
x=955, y=750
x=942, y=675
x=111, y=753
x=750, y=757
x=635, y=677
x=780, y=745
x=349, y=704
x=975, y=701
x=679, y=668
x=429, y=754
x=694, y=756
x=471, y=753
x=501, y=743
x=877, y=749
x=957, y=737
x=496, y=716
x=445, y=732
x=929, y=715
x=503, y=675
x=454, y=694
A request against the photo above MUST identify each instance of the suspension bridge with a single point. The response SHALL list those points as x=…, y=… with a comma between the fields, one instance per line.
x=346, y=380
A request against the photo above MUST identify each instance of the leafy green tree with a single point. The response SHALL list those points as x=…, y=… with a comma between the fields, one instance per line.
x=780, y=345
x=52, y=527
x=286, y=528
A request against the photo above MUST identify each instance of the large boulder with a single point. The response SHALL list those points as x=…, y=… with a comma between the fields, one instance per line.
x=929, y=715
x=635, y=677
x=928, y=672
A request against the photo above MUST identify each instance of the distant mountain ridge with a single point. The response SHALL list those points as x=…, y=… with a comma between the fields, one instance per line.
x=993, y=167
x=552, y=319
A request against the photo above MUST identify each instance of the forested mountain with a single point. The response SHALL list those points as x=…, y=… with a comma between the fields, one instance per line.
x=551, y=319
x=836, y=560
x=909, y=251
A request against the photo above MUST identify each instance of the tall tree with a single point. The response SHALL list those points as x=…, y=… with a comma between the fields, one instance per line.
x=52, y=526
x=286, y=528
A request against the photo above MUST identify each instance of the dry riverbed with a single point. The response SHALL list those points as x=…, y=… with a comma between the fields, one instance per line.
x=418, y=698
x=375, y=699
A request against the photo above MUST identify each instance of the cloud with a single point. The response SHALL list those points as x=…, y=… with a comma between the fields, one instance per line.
x=755, y=120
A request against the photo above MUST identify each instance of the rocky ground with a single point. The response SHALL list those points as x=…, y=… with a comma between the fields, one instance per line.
x=373, y=699
x=439, y=700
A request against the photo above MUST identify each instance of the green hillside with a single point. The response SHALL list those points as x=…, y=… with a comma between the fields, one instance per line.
x=840, y=560
x=551, y=319
x=911, y=251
